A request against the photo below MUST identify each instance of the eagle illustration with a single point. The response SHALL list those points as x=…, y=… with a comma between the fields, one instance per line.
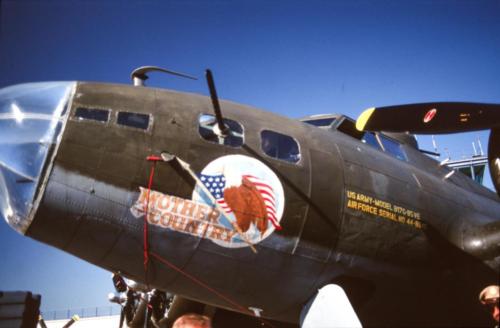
x=247, y=204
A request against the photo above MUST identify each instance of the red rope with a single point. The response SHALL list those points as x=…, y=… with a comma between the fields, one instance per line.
x=153, y=159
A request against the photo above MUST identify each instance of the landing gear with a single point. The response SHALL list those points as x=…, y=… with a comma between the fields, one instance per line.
x=141, y=308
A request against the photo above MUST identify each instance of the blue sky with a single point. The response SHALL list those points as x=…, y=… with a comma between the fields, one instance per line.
x=295, y=58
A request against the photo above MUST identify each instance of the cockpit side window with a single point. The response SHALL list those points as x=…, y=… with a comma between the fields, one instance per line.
x=370, y=139
x=280, y=146
x=378, y=141
x=208, y=130
x=348, y=127
x=91, y=114
x=392, y=147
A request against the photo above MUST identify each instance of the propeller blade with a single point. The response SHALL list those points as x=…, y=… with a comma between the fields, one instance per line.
x=222, y=128
x=71, y=321
x=431, y=118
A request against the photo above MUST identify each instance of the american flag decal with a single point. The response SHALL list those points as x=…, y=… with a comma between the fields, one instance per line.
x=217, y=183
x=267, y=193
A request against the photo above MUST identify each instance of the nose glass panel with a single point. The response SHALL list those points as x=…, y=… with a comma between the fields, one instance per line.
x=31, y=120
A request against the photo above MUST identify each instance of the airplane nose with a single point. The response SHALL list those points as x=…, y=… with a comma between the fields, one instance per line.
x=32, y=117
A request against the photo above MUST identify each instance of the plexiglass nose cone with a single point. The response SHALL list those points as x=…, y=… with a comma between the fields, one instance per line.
x=32, y=117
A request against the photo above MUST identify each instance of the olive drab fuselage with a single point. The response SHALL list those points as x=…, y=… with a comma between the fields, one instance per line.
x=349, y=213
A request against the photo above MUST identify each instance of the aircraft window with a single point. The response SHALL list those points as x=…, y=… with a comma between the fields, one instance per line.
x=134, y=120
x=379, y=141
x=92, y=114
x=321, y=122
x=280, y=146
x=208, y=128
x=466, y=170
x=479, y=173
x=370, y=139
x=392, y=147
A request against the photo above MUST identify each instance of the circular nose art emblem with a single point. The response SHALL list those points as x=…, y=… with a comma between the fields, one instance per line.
x=249, y=195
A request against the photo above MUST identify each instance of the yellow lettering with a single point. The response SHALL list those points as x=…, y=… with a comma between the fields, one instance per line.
x=383, y=209
x=351, y=203
x=367, y=208
x=382, y=204
x=364, y=198
x=386, y=214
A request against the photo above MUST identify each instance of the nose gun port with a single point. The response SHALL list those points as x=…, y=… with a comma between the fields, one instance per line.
x=32, y=118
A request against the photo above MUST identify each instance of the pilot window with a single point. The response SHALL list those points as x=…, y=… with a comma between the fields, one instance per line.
x=133, y=120
x=378, y=141
x=280, y=146
x=92, y=114
x=370, y=139
x=392, y=147
x=208, y=130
